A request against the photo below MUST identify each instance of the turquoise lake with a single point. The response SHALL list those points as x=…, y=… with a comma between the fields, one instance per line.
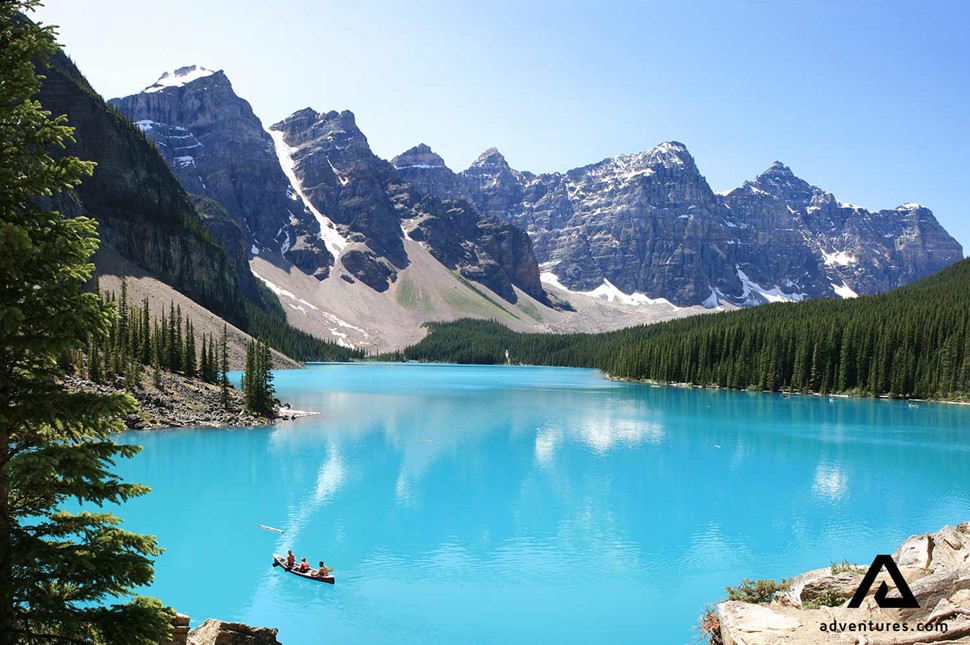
x=530, y=505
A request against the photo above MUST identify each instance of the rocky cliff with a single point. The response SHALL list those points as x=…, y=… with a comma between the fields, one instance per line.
x=644, y=230
x=425, y=170
x=146, y=218
x=310, y=189
x=217, y=147
x=813, y=608
x=374, y=209
x=649, y=223
x=143, y=212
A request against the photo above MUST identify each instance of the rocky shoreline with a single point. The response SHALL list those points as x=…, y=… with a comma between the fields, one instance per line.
x=219, y=632
x=181, y=402
x=786, y=394
x=811, y=608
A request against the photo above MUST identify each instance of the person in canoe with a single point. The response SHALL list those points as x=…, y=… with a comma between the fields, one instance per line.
x=304, y=566
x=290, y=559
x=322, y=571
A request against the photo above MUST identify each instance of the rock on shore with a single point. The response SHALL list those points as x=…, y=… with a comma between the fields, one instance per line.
x=219, y=632
x=180, y=402
x=936, y=566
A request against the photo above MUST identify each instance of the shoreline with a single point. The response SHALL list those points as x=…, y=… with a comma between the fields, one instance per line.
x=839, y=395
x=656, y=383
x=180, y=402
x=283, y=415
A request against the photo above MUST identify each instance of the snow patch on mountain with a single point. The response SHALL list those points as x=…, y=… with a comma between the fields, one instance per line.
x=299, y=304
x=713, y=301
x=839, y=258
x=287, y=243
x=753, y=291
x=343, y=180
x=181, y=76
x=334, y=241
x=844, y=291
x=281, y=292
x=608, y=292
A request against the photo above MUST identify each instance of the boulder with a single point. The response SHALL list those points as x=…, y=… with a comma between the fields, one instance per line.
x=218, y=632
x=936, y=566
x=817, y=584
x=747, y=624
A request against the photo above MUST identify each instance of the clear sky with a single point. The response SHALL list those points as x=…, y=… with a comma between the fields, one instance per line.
x=867, y=99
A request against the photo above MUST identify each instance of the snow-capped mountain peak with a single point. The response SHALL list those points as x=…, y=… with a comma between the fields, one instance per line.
x=179, y=77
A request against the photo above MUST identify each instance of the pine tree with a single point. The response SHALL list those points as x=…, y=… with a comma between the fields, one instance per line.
x=204, y=361
x=249, y=376
x=267, y=390
x=146, y=341
x=188, y=357
x=257, y=380
x=173, y=359
x=179, y=358
x=214, y=360
x=56, y=567
x=224, y=367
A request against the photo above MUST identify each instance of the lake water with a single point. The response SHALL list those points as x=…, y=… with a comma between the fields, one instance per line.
x=531, y=505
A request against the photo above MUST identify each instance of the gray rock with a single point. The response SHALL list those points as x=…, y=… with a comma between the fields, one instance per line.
x=218, y=632
x=427, y=172
x=808, y=588
x=649, y=223
x=372, y=202
x=217, y=147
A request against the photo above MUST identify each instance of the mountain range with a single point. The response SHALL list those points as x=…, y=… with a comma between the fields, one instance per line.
x=362, y=251
x=649, y=223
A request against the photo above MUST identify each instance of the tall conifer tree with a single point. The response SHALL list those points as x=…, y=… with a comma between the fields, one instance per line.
x=57, y=568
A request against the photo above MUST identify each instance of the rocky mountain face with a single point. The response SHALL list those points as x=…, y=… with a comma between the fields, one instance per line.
x=310, y=189
x=217, y=148
x=649, y=223
x=187, y=245
x=427, y=172
x=374, y=209
x=142, y=210
x=641, y=230
x=870, y=251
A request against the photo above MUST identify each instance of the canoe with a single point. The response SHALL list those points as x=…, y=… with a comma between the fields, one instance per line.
x=280, y=561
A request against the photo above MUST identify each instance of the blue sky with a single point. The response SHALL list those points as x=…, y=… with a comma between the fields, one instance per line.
x=864, y=98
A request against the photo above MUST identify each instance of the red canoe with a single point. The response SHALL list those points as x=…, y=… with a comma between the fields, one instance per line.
x=280, y=561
